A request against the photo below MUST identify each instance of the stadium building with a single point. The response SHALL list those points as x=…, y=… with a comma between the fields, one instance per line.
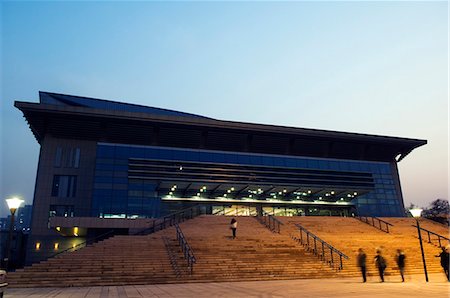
x=103, y=163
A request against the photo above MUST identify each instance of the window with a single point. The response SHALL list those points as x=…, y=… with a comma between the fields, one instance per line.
x=61, y=210
x=64, y=186
x=69, y=157
x=58, y=157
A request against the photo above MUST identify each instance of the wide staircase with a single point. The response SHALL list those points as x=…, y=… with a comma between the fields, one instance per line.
x=255, y=254
x=350, y=234
x=118, y=260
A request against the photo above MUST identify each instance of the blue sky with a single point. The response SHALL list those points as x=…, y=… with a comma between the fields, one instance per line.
x=366, y=67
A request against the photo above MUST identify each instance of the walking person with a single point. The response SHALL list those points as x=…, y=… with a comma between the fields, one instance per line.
x=444, y=255
x=381, y=264
x=361, y=262
x=400, y=259
x=233, y=227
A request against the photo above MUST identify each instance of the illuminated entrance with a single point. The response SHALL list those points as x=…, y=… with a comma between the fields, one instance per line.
x=246, y=210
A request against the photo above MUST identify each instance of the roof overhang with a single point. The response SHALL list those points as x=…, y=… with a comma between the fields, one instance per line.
x=100, y=124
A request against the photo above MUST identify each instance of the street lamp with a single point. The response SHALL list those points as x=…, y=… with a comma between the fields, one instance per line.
x=13, y=204
x=416, y=214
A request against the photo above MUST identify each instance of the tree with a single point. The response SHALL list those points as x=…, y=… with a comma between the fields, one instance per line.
x=438, y=210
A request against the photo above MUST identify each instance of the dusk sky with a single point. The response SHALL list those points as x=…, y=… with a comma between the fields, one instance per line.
x=366, y=67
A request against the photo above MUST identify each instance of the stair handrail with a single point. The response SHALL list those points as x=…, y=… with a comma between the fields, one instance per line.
x=83, y=244
x=378, y=220
x=429, y=233
x=185, y=248
x=219, y=212
x=323, y=244
x=270, y=222
x=170, y=219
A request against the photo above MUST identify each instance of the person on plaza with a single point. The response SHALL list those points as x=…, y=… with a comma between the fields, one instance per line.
x=233, y=227
x=361, y=262
x=400, y=259
x=444, y=255
x=381, y=264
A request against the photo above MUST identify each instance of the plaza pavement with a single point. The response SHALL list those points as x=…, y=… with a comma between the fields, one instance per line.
x=415, y=286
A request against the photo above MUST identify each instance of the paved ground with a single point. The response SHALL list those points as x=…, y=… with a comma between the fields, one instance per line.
x=415, y=286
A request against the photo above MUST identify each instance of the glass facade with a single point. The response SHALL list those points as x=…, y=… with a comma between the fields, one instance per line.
x=145, y=181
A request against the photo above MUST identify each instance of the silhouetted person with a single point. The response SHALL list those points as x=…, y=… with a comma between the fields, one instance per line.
x=381, y=264
x=233, y=227
x=361, y=261
x=400, y=259
x=444, y=255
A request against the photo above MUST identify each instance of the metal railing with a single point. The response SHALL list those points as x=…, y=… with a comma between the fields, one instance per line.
x=270, y=222
x=376, y=222
x=439, y=238
x=186, y=249
x=325, y=251
x=171, y=219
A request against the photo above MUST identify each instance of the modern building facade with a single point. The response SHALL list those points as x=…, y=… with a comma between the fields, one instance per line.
x=112, y=161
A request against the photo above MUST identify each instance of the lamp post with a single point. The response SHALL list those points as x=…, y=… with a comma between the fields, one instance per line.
x=13, y=204
x=416, y=212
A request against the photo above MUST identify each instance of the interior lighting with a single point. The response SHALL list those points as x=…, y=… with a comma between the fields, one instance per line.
x=224, y=194
x=58, y=229
x=342, y=199
x=280, y=193
x=298, y=197
x=175, y=186
x=170, y=193
x=56, y=246
x=327, y=194
x=332, y=192
x=229, y=191
x=309, y=191
x=284, y=190
x=181, y=168
x=349, y=195
x=355, y=193
x=75, y=231
x=38, y=245
x=249, y=196
x=198, y=194
x=320, y=198
x=232, y=189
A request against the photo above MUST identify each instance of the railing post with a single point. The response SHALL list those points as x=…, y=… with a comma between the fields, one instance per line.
x=323, y=251
x=373, y=223
x=340, y=260
x=439, y=239
x=301, y=236
x=429, y=238
x=332, y=260
x=315, y=246
x=387, y=228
